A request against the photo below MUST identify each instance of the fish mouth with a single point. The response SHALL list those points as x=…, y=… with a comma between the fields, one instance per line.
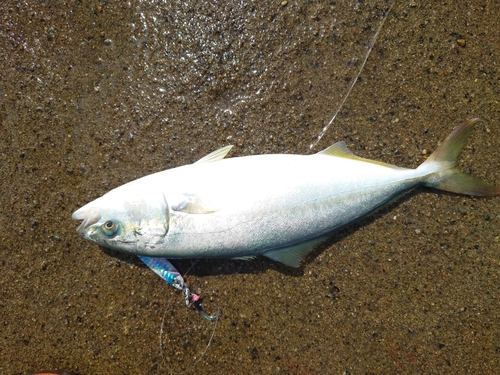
x=89, y=215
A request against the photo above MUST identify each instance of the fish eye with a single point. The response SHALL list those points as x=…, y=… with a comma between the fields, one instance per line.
x=110, y=228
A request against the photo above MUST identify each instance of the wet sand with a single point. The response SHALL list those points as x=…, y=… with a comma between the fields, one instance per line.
x=94, y=95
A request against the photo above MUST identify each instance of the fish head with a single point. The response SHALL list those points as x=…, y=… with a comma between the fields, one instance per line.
x=128, y=219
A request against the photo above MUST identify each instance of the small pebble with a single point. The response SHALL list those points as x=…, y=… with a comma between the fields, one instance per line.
x=461, y=42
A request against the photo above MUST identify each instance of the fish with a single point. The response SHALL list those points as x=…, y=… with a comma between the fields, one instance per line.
x=278, y=205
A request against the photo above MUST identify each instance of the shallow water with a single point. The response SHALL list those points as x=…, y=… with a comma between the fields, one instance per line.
x=97, y=95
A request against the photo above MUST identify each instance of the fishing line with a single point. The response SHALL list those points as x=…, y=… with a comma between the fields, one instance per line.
x=312, y=145
x=372, y=44
x=192, y=366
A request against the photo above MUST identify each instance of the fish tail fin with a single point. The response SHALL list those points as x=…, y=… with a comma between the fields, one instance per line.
x=441, y=166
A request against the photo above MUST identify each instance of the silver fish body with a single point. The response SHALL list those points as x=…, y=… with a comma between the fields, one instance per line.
x=278, y=206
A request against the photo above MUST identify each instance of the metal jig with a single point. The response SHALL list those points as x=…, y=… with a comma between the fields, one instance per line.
x=163, y=268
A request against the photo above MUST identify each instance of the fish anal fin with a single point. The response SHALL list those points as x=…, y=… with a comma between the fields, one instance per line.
x=216, y=155
x=249, y=257
x=293, y=255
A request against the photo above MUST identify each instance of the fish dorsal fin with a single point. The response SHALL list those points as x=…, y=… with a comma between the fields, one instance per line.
x=340, y=150
x=337, y=149
x=216, y=155
x=293, y=255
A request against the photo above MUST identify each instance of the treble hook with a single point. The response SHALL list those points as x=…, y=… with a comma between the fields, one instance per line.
x=194, y=299
x=163, y=268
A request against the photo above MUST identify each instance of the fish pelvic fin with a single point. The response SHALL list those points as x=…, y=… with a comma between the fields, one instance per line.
x=441, y=166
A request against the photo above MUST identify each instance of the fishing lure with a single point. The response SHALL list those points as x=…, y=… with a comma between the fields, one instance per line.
x=163, y=268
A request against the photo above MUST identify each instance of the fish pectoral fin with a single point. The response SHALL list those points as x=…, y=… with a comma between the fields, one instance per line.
x=216, y=155
x=192, y=204
x=293, y=255
x=197, y=208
